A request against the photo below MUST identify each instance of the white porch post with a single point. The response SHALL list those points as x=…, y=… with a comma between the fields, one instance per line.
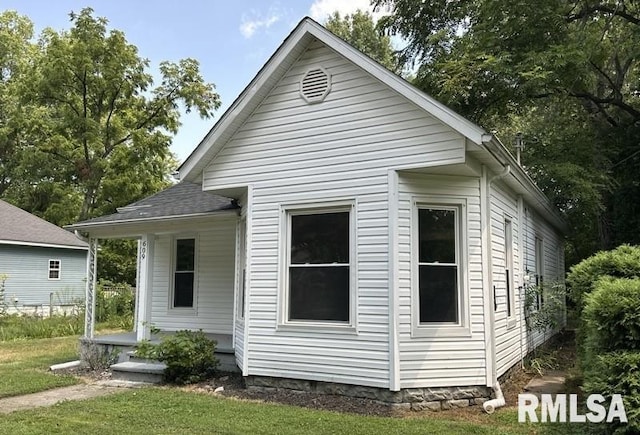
x=145, y=288
x=90, y=290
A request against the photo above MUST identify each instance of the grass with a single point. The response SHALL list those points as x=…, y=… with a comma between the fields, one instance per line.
x=158, y=410
x=172, y=411
x=24, y=364
x=14, y=326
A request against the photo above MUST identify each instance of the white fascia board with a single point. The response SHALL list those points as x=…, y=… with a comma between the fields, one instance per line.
x=161, y=219
x=42, y=245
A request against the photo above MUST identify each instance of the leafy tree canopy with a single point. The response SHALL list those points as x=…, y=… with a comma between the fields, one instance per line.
x=359, y=30
x=563, y=72
x=84, y=127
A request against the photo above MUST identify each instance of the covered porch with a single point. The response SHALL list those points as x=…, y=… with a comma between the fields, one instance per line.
x=186, y=266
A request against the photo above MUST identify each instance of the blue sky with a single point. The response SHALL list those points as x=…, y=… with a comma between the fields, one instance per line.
x=230, y=39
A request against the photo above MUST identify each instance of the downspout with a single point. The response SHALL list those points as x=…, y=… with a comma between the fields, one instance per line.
x=491, y=405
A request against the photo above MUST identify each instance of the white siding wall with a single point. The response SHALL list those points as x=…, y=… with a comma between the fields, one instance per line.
x=293, y=152
x=215, y=280
x=512, y=342
x=442, y=361
x=553, y=256
x=508, y=345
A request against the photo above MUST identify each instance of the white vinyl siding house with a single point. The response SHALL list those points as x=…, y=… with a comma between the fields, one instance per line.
x=356, y=233
x=212, y=307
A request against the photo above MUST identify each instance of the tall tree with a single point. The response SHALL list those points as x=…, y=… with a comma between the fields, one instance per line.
x=497, y=62
x=359, y=30
x=104, y=128
x=16, y=53
x=83, y=127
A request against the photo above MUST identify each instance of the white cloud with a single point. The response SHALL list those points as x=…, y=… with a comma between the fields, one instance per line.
x=255, y=21
x=321, y=10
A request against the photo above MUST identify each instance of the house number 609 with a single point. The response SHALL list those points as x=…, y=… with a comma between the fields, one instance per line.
x=143, y=251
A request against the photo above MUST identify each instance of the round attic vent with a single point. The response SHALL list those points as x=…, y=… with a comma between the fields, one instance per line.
x=315, y=85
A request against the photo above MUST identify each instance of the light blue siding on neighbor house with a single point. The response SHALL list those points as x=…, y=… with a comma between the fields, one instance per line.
x=42, y=264
x=27, y=270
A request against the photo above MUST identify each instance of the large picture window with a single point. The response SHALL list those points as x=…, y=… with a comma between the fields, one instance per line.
x=438, y=264
x=184, y=274
x=319, y=265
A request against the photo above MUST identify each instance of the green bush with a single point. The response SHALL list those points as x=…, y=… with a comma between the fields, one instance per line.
x=622, y=262
x=617, y=373
x=115, y=304
x=612, y=315
x=189, y=356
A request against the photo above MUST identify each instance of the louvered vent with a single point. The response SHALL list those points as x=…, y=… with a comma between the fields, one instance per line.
x=315, y=85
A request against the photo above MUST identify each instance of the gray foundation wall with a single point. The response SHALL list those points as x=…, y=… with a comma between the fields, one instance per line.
x=417, y=399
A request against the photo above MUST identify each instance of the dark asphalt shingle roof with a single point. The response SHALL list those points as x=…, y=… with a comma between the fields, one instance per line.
x=17, y=225
x=178, y=200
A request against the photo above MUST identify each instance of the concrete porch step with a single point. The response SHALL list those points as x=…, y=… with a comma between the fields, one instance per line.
x=227, y=362
x=133, y=371
x=132, y=357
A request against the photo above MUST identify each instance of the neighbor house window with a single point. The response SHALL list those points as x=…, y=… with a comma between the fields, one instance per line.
x=319, y=260
x=54, y=269
x=439, y=277
x=184, y=274
x=508, y=267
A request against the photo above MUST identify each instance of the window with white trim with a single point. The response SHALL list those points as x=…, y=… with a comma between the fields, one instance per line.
x=508, y=267
x=184, y=273
x=539, y=253
x=319, y=256
x=54, y=269
x=439, y=274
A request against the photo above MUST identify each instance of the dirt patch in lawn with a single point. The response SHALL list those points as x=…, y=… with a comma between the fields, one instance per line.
x=233, y=387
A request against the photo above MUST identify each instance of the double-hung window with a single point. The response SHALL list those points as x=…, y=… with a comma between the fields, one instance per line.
x=184, y=273
x=539, y=253
x=508, y=267
x=54, y=269
x=319, y=262
x=440, y=292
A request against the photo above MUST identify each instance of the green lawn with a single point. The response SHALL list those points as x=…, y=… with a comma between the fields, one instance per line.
x=24, y=364
x=23, y=369
x=172, y=411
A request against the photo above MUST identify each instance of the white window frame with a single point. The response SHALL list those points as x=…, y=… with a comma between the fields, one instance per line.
x=288, y=210
x=538, y=252
x=58, y=269
x=441, y=329
x=241, y=259
x=510, y=291
x=174, y=248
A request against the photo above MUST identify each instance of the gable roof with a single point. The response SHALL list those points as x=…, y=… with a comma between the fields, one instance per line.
x=286, y=55
x=18, y=227
x=180, y=200
x=279, y=63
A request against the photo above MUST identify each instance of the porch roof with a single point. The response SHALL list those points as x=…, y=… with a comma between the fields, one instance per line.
x=181, y=200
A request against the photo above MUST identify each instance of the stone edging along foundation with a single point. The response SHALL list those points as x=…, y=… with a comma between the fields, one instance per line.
x=417, y=399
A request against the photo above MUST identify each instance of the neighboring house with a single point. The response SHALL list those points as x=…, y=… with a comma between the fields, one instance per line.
x=44, y=266
x=338, y=227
